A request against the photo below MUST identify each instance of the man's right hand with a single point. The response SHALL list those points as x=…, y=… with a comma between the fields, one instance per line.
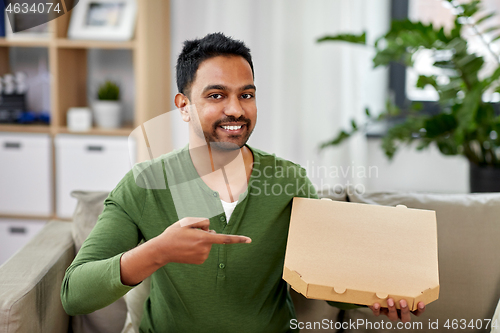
x=189, y=240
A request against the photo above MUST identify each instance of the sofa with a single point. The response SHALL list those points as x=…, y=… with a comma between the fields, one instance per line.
x=468, y=228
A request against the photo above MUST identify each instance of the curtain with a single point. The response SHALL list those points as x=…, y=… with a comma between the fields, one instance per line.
x=306, y=91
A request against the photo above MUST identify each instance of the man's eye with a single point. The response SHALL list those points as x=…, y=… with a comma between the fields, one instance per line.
x=215, y=96
x=247, y=96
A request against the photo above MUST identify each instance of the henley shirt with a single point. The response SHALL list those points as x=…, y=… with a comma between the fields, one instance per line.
x=239, y=288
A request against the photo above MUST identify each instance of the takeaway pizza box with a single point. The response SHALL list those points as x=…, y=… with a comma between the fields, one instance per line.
x=362, y=254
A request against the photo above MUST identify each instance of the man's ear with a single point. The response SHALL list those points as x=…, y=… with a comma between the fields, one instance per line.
x=182, y=103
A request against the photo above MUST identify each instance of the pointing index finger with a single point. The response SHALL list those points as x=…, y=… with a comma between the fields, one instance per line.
x=215, y=238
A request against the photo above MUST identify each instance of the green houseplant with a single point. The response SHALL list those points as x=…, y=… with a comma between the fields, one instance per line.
x=107, y=108
x=465, y=124
x=108, y=91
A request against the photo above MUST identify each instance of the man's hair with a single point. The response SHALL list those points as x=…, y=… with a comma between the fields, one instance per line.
x=196, y=51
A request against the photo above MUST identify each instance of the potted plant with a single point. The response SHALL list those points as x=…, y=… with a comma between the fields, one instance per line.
x=107, y=108
x=465, y=124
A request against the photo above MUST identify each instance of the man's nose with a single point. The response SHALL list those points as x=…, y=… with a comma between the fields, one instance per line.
x=234, y=108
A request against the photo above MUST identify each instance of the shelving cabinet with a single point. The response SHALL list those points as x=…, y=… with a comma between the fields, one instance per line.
x=15, y=233
x=150, y=49
x=26, y=174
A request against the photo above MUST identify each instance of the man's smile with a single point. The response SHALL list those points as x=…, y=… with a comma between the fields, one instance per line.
x=233, y=129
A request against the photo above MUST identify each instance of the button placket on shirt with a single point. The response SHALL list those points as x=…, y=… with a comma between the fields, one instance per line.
x=222, y=247
x=221, y=272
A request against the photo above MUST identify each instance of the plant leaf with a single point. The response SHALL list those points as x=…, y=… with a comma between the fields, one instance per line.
x=485, y=115
x=439, y=125
x=458, y=44
x=343, y=135
x=424, y=80
x=484, y=18
x=470, y=8
x=456, y=32
x=450, y=90
x=447, y=146
x=350, y=38
x=353, y=124
x=400, y=134
x=465, y=112
x=416, y=106
x=423, y=144
x=491, y=29
x=442, y=36
x=444, y=64
x=391, y=108
x=488, y=81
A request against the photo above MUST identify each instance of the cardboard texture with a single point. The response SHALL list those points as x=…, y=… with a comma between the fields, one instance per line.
x=362, y=254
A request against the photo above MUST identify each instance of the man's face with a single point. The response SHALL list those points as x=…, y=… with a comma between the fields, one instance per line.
x=223, y=94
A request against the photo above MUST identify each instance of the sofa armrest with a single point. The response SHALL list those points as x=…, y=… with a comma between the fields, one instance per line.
x=30, y=282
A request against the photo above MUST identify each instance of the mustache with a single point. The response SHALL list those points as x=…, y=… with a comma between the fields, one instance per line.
x=232, y=119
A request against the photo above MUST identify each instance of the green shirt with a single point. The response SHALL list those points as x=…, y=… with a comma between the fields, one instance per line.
x=237, y=289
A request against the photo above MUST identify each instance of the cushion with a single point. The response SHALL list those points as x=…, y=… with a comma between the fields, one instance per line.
x=468, y=227
x=90, y=205
x=135, y=306
x=125, y=314
x=30, y=283
x=110, y=319
x=335, y=193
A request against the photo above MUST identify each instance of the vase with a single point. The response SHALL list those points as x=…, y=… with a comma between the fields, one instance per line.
x=107, y=114
x=484, y=178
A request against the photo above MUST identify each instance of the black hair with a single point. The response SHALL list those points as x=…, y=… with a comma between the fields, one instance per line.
x=196, y=51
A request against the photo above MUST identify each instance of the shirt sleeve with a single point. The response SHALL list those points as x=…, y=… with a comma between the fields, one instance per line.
x=93, y=281
x=305, y=188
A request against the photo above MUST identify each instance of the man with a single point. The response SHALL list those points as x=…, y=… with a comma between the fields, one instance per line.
x=223, y=280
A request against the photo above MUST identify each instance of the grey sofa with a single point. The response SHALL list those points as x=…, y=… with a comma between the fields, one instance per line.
x=468, y=241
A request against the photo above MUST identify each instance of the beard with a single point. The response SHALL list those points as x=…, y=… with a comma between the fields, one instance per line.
x=233, y=142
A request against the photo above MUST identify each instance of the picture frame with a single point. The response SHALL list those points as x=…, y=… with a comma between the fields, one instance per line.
x=111, y=20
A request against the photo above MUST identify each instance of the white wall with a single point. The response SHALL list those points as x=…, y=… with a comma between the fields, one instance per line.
x=412, y=170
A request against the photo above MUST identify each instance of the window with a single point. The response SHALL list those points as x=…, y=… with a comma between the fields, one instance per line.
x=440, y=13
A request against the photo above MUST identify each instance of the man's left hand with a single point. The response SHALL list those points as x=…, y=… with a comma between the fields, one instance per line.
x=394, y=314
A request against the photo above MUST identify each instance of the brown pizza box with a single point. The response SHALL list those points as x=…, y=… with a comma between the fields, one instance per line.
x=362, y=254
